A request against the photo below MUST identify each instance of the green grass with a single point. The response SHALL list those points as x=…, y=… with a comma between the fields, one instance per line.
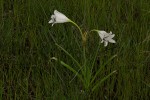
x=27, y=42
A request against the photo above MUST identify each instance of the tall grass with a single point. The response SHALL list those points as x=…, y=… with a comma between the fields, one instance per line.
x=27, y=44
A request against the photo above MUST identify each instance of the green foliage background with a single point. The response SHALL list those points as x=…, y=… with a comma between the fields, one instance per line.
x=27, y=44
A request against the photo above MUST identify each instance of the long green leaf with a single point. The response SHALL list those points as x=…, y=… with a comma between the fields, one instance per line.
x=95, y=57
x=102, y=80
x=68, y=67
x=1, y=89
x=69, y=55
x=102, y=68
x=148, y=85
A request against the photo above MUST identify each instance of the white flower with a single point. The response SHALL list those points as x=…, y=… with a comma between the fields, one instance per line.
x=58, y=18
x=106, y=37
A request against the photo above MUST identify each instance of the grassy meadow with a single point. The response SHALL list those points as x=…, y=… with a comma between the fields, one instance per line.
x=27, y=44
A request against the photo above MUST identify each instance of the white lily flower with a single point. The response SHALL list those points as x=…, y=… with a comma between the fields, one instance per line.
x=106, y=37
x=58, y=18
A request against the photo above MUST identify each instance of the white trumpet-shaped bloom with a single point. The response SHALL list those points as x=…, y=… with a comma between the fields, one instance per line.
x=106, y=37
x=58, y=18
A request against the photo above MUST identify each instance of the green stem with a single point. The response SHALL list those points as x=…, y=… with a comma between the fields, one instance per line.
x=77, y=27
x=94, y=30
x=84, y=57
x=82, y=35
x=84, y=49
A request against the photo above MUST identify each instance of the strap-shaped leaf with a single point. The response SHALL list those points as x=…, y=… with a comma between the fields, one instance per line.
x=102, y=68
x=69, y=55
x=94, y=59
x=102, y=80
x=148, y=85
x=68, y=67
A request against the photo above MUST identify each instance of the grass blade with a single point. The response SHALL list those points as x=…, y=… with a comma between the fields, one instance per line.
x=68, y=67
x=95, y=57
x=98, y=83
x=101, y=68
x=68, y=55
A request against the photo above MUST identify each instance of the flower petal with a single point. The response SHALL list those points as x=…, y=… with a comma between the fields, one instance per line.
x=112, y=41
x=110, y=32
x=102, y=41
x=101, y=34
x=53, y=24
x=111, y=36
x=105, y=43
x=60, y=18
x=53, y=16
x=51, y=21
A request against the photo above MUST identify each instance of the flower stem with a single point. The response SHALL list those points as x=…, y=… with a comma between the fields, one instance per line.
x=94, y=30
x=77, y=27
x=83, y=35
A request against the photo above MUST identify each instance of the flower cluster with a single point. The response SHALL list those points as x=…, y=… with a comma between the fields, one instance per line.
x=61, y=18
